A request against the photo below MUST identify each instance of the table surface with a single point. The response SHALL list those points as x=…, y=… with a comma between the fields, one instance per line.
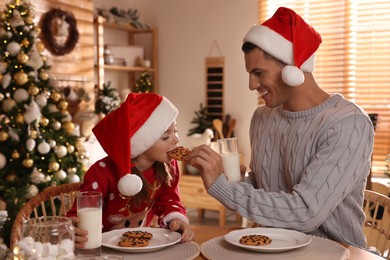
x=205, y=233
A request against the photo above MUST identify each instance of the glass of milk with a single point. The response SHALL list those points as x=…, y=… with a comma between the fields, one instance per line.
x=89, y=211
x=228, y=148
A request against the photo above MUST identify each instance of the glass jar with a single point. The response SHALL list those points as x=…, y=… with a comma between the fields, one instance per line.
x=47, y=237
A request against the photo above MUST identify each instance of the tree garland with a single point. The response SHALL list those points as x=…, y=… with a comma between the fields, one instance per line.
x=48, y=34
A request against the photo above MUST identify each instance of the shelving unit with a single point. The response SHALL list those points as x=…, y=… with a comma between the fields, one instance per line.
x=135, y=37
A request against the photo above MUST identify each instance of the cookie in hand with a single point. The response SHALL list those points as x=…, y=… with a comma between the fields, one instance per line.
x=179, y=153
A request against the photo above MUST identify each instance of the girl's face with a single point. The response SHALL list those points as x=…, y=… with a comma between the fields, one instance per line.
x=168, y=141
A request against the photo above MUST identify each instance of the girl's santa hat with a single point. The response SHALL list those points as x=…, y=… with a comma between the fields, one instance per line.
x=132, y=129
x=287, y=37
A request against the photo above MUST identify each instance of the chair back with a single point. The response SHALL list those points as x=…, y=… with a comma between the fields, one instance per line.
x=377, y=223
x=52, y=201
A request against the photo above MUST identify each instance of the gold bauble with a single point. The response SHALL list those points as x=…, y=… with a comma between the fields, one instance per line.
x=28, y=163
x=3, y=136
x=54, y=166
x=72, y=170
x=63, y=104
x=40, y=47
x=43, y=75
x=20, y=119
x=1, y=77
x=3, y=205
x=55, y=96
x=68, y=127
x=22, y=57
x=33, y=134
x=20, y=78
x=44, y=121
x=33, y=90
x=25, y=42
x=29, y=20
x=70, y=148
x=15, y=155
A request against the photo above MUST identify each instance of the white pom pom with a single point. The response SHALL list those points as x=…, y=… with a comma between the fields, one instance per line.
x=292, y=76
x=129, y=185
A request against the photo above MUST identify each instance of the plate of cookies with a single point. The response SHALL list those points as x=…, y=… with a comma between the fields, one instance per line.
x=142, y=239
x=267, y=239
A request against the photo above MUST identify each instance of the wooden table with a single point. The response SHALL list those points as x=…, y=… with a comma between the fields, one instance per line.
x=205, y=233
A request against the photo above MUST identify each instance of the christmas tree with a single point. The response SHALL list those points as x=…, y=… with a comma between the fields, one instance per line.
x=201, y=121
x=39, y=143
x=107, y=99
x=143, y=84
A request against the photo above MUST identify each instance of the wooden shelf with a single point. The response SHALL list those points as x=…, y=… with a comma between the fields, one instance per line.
x=151, y=46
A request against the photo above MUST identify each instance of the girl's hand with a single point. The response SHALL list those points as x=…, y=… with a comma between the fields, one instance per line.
x=184, y=228
x=80, y=234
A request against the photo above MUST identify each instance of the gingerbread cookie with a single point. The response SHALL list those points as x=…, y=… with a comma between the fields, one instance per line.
x=255, y=240
x=179, y=153
x=138, y=234
x=133, y=242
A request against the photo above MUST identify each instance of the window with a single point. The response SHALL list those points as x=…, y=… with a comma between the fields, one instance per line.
x=354, y=57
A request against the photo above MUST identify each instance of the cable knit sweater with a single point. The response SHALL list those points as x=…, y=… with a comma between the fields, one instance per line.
x=309, y=170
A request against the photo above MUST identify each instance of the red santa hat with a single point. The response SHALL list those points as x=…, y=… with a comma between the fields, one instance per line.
x=287, y=37
x=130, y=130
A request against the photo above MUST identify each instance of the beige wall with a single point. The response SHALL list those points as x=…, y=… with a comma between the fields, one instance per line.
x=187, y=29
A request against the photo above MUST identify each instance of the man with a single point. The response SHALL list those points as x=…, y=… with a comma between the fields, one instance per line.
x=310, y=150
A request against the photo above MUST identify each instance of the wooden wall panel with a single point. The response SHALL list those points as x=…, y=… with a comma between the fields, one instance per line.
x=80, y=62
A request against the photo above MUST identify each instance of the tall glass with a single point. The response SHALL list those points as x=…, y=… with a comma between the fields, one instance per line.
x=89, y=211
x=228, y=148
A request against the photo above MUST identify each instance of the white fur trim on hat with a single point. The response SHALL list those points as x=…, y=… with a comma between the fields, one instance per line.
x=153, y=128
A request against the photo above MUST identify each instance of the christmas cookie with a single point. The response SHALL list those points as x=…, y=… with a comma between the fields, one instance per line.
x=133, y=242
x=255, y=240
x=138, y=234
x=179, y=153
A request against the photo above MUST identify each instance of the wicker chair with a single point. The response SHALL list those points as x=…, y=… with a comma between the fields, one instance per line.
x=52, y=201
x=377, y=222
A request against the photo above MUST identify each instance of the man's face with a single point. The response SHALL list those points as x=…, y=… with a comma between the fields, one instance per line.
x=265, y=77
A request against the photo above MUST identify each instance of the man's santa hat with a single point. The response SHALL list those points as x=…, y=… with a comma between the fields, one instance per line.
x=287, y=37
x=132, y=129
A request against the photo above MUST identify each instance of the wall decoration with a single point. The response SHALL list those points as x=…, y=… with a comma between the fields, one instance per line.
x=59, y=31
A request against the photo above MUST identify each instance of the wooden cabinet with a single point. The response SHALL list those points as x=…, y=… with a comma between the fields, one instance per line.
x=146, y=38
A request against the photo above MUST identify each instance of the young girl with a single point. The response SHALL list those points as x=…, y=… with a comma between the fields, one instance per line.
x=138, y=179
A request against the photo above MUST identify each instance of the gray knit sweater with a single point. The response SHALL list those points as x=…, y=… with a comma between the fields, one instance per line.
x=309, y=171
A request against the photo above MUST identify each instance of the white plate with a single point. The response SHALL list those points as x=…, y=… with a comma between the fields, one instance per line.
x=282, y=239
x=161, y=238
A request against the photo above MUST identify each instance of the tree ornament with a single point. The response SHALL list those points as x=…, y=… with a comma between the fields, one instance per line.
x=32, y=113
x=54, y=166
x=36, y=176
x=40, y=47
x=43, y=75
x=72, y=171
x=20, y=95
x=15, y=154
x=13, y=134
x=33, y=134
x=35, y=59
x=20, y=119
x=52, y=143
x=61, y=175
x=43, y=148
x=68, y=127
x=17, y=19
x=52, y=108
x=20, y=78
x=22, y=57
x=56, y=125
x=33, y=90
x=70, y=148
x=63, y=104
x=44, y=121
x=6, y=80
x=66, y=116
x=55, y=96
x=11, y=177
x=25, y=43
x=28, y=163
x=30, y=144
x=73, y=178
x=8, y=105
x=31, y=191
x=41, y=100
x=60, y=151
x=3, y=67
x=3, y=136
x=13, y=48
x=3, y=161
